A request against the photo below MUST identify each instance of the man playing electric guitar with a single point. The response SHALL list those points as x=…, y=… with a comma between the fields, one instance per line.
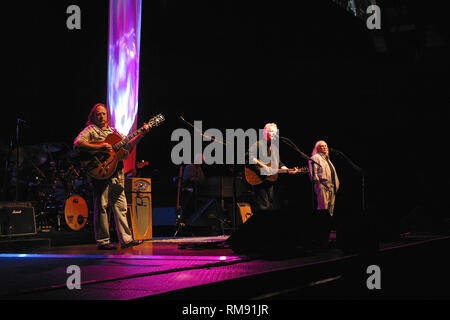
x=110, y=191
x=264, y=192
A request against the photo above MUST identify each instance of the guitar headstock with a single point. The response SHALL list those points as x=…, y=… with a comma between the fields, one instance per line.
x=156, y=120
x=142, y=164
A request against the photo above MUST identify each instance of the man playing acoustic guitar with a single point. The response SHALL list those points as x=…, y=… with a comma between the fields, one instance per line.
x=109, y=191
x=264, y=193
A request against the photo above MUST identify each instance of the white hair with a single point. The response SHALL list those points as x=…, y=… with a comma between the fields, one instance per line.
x=270, y=125
x=316, y=147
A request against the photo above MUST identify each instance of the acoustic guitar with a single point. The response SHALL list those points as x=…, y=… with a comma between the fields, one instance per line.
x=254, y=176
x=101, y=165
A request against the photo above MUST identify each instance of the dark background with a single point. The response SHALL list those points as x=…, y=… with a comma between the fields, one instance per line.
x=311, y=68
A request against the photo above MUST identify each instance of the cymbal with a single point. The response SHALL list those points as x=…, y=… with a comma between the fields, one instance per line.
x=52, y=147
x=71, y=154
x=28, y=155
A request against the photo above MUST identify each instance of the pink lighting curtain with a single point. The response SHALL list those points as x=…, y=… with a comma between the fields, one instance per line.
x=123, y=67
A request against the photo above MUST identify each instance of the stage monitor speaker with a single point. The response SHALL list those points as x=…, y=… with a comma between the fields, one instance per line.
x=17, y=220
x=265, y=229
x=245, y=211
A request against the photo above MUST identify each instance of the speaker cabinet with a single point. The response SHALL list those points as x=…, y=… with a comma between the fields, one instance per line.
x=255, y=234
x=17, y=220
x=140, y=203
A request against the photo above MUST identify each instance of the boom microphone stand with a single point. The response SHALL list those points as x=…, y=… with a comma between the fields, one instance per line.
x=304, y=156
x=293, y=146
x=357, y=169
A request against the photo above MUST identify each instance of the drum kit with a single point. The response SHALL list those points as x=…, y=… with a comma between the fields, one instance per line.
x=50, y=177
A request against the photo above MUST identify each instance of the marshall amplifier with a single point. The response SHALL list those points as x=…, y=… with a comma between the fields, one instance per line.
x=16, y=220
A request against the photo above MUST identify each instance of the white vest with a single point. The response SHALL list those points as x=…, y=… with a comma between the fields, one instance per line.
x=323, y=173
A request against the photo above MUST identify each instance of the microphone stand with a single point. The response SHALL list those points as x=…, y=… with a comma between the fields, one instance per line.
x=19, y=121
x=293, y=146
x=202, y=133
x=17, y=160
x=359, y=170
x=6, y=177
x=233, y=170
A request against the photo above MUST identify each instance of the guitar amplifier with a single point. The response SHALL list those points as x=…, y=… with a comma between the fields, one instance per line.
x=139, y=198
x=245, y=210
x=138, y=185
x=17, y=219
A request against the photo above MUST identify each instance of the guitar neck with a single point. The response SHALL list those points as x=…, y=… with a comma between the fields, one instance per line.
x=154, y=122
x=126, y=140
x=302, y=170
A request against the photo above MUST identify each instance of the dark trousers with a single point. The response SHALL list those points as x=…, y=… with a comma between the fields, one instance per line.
x=265, y=197
x=322, y=226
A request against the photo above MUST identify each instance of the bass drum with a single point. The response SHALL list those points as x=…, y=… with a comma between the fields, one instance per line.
x=76, y=212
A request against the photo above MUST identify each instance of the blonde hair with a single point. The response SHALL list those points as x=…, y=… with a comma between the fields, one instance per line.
x=92, y=114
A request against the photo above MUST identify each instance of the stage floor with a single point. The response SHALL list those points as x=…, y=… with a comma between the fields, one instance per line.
x=203, y=268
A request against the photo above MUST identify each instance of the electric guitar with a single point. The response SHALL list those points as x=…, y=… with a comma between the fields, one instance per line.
x=139, y=165
x=254, y=176
x=102, y=164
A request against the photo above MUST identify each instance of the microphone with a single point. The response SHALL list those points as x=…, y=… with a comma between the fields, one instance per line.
x=181, y=118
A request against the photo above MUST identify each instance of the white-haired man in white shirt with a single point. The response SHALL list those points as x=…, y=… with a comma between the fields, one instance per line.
x=325, y=183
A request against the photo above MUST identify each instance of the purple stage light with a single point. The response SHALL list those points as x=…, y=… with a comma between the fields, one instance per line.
x=123, y=67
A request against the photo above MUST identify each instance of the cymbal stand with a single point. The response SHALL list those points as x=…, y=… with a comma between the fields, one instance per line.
x=194, y=218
